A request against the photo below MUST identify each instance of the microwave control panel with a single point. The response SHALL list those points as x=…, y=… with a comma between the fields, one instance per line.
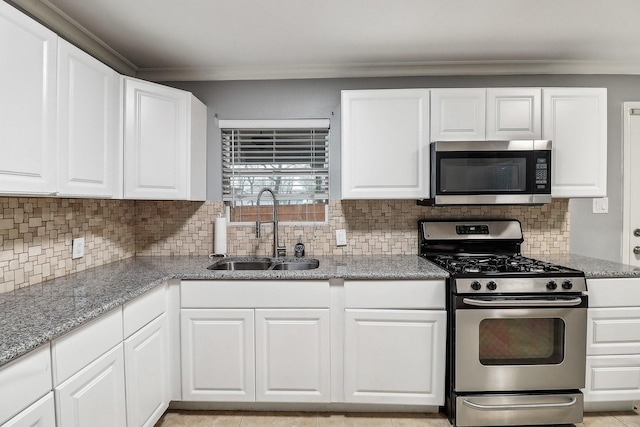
x=543, y=174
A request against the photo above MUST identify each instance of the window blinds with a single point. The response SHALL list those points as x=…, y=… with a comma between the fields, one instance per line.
x=293, y=162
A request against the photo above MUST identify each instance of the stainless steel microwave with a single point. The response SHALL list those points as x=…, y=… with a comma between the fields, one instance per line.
x=490, y=172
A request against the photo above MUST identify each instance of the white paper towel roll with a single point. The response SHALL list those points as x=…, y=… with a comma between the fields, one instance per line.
x=220, y=236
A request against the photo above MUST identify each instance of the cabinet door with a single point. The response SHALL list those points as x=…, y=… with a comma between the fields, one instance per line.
x=612, y=378
x=95, y=396
x=40, y=414
x=89, y=137
x=613, y=330
x=575, y=120
x=394, y=356
x=147, y=373
x=218, y=356
x=385, y=144
x=155, y=141
x=293, y=356
x=23, y=381
x=514, y=113
x=27, y=105
x=458, y=114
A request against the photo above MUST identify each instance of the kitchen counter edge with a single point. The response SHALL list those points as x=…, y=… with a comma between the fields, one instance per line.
x=34, y=315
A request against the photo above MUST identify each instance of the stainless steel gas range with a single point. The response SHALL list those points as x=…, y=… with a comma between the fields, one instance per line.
x=516, y=327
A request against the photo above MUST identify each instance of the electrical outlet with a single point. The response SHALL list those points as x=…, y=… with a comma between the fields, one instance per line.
x=601, y=205
x=341, y=237
x=77, y=248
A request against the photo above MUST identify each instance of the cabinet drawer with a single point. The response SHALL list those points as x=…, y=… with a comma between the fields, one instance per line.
x=143, y=310
x=40, y=414
x=77, y=349
x=612, y=378
x=254, y=294
x=620, y=292
x=402, y=294
x=24, y=381
x=613, y=330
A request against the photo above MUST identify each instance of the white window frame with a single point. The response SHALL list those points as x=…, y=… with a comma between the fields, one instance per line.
x=288, y=124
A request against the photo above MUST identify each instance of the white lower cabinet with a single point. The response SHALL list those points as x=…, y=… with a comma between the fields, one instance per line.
x=147, y=373
x=246, y=355
x=612, y=380
x=95, y=396
x=293, y=355
x=40, y=414
x=218, y=355
x=253, y=340
x=23, y=382
x=394, y=342
x=394, y=356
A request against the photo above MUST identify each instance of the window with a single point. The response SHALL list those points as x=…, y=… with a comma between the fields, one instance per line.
x=289, y=156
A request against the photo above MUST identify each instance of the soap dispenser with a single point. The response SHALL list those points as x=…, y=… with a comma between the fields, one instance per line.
x=298, y=249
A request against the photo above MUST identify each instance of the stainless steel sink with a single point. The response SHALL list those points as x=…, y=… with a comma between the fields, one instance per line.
x=244, y=264
x=307, y=264
x=241, y=264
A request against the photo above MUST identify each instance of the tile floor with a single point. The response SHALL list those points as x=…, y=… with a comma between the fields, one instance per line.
x=178, y=418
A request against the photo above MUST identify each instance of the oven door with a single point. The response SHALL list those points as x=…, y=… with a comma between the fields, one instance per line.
x=491, y=172
x=520, y=343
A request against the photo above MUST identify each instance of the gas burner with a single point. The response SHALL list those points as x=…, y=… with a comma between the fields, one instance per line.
x=494, y=264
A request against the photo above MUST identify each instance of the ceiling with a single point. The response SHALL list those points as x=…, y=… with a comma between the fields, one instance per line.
x=259, y=39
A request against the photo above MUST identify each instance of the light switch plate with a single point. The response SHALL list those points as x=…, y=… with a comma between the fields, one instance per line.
x=601, y=205
x=77, y=248
x=341, y=237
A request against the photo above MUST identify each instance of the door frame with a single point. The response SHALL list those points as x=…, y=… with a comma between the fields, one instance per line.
x=626, y=179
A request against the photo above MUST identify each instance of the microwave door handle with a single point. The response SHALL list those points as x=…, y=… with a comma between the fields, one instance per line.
x=520, y=406
x=523, y=303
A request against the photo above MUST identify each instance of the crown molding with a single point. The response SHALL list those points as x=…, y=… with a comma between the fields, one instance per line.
x=70, y=30
x=449, y=68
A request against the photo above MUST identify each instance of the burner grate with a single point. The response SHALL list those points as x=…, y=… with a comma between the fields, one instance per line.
x=494, y=264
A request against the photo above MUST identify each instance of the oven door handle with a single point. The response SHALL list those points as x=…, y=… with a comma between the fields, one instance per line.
x=520, y=406
x=523, y=303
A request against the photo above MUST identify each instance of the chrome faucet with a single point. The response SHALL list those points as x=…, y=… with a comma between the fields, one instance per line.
x=277, y=250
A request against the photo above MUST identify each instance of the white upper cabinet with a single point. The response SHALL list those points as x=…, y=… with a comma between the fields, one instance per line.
x=575, y=120
x=486, y=114
x=89, y=123
x=27, y=105
x=458, y=114
x=385, y=144
x=514, y=113
x=164, y=143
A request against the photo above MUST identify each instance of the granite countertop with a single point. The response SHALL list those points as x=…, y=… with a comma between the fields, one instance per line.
x=34, y=315
x=593, y=267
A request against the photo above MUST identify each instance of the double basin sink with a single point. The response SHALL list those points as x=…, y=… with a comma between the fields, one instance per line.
x=243, y=264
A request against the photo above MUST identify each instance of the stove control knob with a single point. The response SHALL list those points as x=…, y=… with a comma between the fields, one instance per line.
x=492, y=286
x=567, y=284
x=552, y=285
x=475, y=285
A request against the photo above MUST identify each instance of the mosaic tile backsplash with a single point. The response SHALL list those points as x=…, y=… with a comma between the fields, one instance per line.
x=36, y=233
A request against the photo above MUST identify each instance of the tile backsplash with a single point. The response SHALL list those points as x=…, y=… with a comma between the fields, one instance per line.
x=36, y=233
x=373, y=227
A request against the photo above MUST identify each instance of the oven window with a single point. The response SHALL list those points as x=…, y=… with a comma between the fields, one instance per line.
x=483, y=174
x=528, y=341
